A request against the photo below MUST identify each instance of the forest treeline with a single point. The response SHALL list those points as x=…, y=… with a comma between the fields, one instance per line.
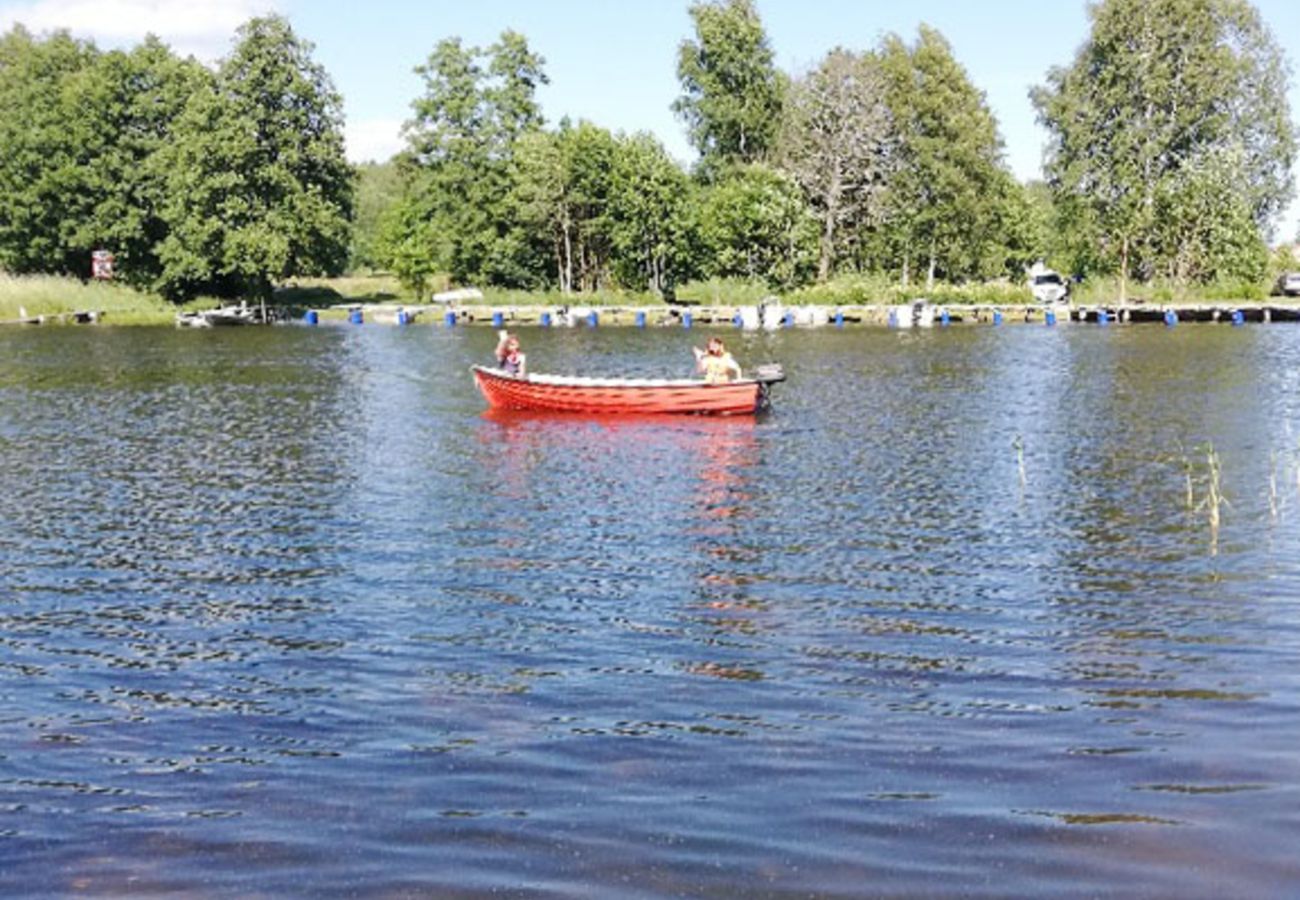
x=1170, y=152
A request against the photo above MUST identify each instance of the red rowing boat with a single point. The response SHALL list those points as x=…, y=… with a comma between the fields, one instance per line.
x=562, y=393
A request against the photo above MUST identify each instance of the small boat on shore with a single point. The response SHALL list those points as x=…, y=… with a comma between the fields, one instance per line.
x=563, y=393
x=243, y=314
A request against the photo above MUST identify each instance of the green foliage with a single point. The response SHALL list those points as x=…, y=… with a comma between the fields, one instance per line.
x=952, y=205
x=610, y=207
x=648, y=217
x=378, y=191
x=837, y=143
x=477, y=105
x=41, y=162
x=258, y=188
x=1167, y=100
x=753, y=224
x=731, y=90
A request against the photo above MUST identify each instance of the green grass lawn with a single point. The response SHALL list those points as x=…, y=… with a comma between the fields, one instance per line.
x=48, y=295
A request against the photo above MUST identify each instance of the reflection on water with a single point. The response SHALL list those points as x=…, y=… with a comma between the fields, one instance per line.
x=286, y=611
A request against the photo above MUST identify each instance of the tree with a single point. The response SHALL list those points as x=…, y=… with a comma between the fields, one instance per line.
x=258, y=185
x=1163, y=88
x=561, y=190
x=378, y=191
x=754, y=224
x=731, y=90
x=649, y=199
x=837, y=144
x=1205, y=228
x=39, y=158
x=129, y=104
x=476, y=107
x=946, y=199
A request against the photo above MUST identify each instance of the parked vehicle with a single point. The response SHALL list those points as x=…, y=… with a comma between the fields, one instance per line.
x=1047, y=285
x=1288, y=284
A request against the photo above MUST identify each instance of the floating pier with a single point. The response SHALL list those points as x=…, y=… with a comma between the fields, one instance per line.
x=775, y=315
x=80, y=317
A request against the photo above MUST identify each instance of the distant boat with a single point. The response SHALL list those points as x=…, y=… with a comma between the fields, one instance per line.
x=243, y=314
x=562, y=393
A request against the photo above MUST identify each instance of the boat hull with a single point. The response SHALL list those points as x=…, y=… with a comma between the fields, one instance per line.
x=549, y=393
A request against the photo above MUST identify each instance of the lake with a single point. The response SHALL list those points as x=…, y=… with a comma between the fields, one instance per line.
x=977, y=611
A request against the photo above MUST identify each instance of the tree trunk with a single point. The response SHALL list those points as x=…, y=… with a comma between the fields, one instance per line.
x=1123, y=270
x=828, y=243
x=929, y=273
x=566, y=285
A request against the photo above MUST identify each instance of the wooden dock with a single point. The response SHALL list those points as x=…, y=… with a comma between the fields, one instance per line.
x=776, y=315
x=80, y=317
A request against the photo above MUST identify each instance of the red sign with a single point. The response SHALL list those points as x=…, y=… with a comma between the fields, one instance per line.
x=101, y=265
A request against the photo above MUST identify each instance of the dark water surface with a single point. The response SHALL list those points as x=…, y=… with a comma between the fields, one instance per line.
x=283, y=612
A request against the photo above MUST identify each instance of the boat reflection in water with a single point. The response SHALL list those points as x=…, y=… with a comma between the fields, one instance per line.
x=705, y=501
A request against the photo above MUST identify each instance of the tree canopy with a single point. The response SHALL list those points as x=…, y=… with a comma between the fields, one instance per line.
x=1170, y=156
x=258, y=186
x=1168, y=105
x=731, y=89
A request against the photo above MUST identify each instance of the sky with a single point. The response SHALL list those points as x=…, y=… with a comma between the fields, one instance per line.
x=613, y=62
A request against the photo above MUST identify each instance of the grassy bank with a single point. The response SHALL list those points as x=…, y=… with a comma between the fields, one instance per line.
x=30, y=296
x=43, y=295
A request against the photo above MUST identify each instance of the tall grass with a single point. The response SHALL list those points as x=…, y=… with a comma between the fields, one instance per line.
x=24, y=296
x=878, y=290
x=370, y=288
x=1100, y=291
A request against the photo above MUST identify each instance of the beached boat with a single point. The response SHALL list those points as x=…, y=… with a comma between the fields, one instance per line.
x=562, y=393
x=243, y=314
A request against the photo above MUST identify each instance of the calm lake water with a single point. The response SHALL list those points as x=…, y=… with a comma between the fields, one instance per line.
x=283, y=612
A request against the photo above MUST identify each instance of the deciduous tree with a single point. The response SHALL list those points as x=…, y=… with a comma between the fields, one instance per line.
x=754, y=224
x=731, y=89
x=1158, y=98
x=258, y=185
x=837, y=144
x=945, y=200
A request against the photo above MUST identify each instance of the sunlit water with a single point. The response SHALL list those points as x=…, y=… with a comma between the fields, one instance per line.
x=284, y=612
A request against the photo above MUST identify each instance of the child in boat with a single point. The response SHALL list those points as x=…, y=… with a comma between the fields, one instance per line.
x=715, y=362
x=509, y=357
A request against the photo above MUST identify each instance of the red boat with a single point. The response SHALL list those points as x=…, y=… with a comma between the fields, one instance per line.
x=562, y=393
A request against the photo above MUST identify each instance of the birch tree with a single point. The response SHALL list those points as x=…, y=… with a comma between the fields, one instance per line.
x=837, y=142
x=731, y=89
x=1161, y=88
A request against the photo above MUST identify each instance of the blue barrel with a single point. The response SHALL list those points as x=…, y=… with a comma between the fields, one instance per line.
x=355, y=317
x=1171, y=318
x=312, y=317
x=498, y=319
x=893, y=318
x=546, y=320
x=402, y=317
x=592, y=319
x=640, y=319
x=943, y=317
x=687, y=320
x=738, y=320
x=1050, y=318
x=449, y=319
x=997, y=317
x=787, y=321
x=1238, y=318
x=839, y=319
x=1103, y=317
